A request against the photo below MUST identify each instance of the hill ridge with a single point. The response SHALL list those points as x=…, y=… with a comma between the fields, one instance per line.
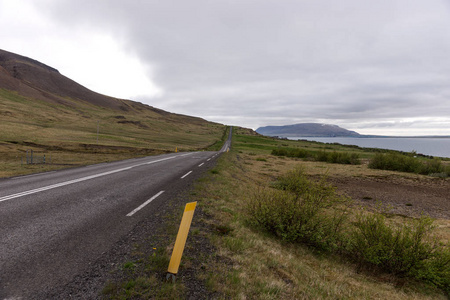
x=307, y=130
x=31, y=78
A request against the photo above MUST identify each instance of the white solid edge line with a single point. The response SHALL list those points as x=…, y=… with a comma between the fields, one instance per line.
x=144, y=204
x=186, y=174
x=32, y=175
x=53, y=186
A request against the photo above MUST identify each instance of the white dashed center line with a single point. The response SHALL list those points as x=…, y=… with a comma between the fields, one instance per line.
x=186, y=174
x=144, y=204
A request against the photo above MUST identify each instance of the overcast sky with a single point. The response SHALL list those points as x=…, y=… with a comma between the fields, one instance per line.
x=376, y=67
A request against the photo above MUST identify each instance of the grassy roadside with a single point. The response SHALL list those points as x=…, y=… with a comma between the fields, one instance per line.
x=231, y=259
x=261, y=266
x=81, y=134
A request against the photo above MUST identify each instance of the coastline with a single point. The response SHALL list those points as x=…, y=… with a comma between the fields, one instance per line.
x=428, y=146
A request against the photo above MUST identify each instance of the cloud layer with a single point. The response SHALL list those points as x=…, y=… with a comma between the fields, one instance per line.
x=370, y=66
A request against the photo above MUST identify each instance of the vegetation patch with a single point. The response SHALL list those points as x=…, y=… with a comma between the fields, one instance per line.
x=330, y=157
x=303, y=211
x=409, y=163
x=293, y=236
x=402, y=250
x=298, y=210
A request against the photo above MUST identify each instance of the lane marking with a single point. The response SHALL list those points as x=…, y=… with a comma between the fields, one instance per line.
x=53, y=186
x=201, y=164
x=208, y=159
x=144, y=204
x=32, y=175
x=186, y=174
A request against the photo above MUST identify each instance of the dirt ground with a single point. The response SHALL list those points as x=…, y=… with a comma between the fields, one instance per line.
x=399, y=195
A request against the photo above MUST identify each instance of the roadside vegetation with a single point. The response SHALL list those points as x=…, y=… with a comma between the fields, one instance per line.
x=298, y=210
x=409, y=163
x=330, y=157
x=275, y=228
x=283, y=232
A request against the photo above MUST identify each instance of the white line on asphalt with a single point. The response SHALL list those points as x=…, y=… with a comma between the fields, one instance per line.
x=95, y=165
x=186, y=174
x=201, y=164
x=208, y=159
x=32, y=175
x=53, y=186
x=144, y=204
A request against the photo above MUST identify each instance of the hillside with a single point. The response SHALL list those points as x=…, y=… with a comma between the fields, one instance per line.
x=43, y=110
x=307, y=130
x=35, y=80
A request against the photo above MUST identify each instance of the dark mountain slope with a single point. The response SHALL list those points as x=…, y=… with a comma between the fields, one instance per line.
x=31, y=78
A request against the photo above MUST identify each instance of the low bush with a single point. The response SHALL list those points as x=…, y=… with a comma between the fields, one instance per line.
x=300, y=210
x=402, y=250
x=297, y=153
x=408, y=163
x=433, y=166
x=330, y=157
x=436, y=270
x=395, y=250
x=297, y=211
x=338, y=157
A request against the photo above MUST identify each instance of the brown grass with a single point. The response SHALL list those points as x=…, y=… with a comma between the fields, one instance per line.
x=69, y=133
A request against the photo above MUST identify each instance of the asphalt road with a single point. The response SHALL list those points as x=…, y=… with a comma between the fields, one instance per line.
x=53, y=225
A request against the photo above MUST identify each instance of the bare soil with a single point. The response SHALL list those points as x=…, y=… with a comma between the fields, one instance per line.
x=399, y=195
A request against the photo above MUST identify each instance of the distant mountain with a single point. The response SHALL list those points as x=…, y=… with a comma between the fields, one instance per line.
x=307, y=130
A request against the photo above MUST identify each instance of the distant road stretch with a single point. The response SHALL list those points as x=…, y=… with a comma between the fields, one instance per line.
x=53, y=225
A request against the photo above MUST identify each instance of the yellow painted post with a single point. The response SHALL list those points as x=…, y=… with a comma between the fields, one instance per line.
x=180, y=242
x=176, y=149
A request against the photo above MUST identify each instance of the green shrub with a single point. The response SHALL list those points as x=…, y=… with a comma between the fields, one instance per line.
x=279, y=152
x=298, y=153
x=395, y=250
x=338, y=157
x=299, y=210
x=401, y=250
x=436, y=270
x=433, y=166
x=296, y=211
x=408, y=163
x=330, y=157
x=395, y=162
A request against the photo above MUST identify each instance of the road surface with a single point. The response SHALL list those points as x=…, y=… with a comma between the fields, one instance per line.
x=53, y=225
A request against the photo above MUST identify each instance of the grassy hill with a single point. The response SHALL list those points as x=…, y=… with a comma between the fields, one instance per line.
x=42, y=110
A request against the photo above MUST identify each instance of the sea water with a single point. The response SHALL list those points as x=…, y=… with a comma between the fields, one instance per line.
x=429, y=146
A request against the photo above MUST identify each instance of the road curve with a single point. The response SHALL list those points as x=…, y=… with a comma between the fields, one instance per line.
x=53, y=225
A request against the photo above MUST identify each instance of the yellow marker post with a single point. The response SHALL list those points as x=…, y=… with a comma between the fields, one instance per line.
x=176, y=149
x=180, y=242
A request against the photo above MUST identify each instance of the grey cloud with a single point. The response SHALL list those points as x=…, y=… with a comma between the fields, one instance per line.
x=267, y=61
